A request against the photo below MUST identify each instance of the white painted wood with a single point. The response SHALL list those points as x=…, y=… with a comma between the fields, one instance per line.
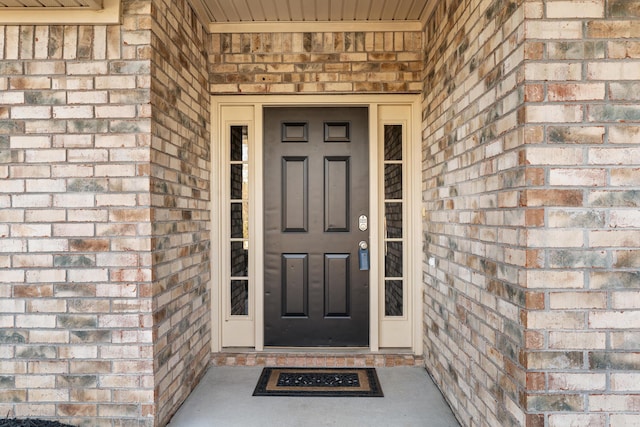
x=318, y=10
x=415, y=236
x=248, y=110
x=396, y=332
x=108, y=14
x=41, y=4
x=375, y=194
x=213, y=12
x=313, y=27
x=235, y=331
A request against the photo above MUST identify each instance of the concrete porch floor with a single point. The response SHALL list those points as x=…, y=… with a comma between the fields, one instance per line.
x=224, y=398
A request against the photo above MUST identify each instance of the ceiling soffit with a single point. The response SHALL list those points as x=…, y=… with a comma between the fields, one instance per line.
x=51, y=4
x=50, y=12
x=313, y=15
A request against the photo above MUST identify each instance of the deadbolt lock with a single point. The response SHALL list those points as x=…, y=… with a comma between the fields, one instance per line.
x=363, y=223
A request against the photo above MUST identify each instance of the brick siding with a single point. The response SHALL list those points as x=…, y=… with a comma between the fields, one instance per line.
x=180, y=197
x=76, y=322
x=473, y=229
x=352, y=62
x=582, y=136
x=104, y=227
x=531, y=118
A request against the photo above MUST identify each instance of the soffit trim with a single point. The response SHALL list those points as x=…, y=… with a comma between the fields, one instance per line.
x=314, y=26
x=108, y=14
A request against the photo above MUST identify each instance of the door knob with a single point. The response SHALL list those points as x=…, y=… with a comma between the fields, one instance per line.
x=363, y=255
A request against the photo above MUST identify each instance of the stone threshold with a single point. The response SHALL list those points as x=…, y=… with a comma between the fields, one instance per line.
x=316, y=358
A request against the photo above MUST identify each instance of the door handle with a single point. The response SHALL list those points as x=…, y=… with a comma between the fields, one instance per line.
x=363, y=255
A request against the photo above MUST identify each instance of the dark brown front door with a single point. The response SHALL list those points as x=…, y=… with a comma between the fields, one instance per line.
x=316, y=184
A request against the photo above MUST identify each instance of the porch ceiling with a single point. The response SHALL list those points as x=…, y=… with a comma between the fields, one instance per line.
x=51, y=4
x=242, y=14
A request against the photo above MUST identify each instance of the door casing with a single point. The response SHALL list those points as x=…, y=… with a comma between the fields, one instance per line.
x=248, y=110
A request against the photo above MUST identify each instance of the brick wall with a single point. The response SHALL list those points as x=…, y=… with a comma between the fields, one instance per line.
x=473, y=229
x=104, y=226
x=583, y=144
x=76, y=320
x=362, y=62
x=180, y=193
x=531, y=162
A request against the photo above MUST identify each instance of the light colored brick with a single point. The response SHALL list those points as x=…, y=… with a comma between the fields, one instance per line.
x=36, y=141
x=628, y=381
x=573, y=419
x=614, y=320
x=577, y=300
x=569, y=381
x=555, y=320
x=577, y=340
x=553, y=113
x=575, y=9
x=555, y=279
x=627, y=70
x=31, y=112
x=613, y=403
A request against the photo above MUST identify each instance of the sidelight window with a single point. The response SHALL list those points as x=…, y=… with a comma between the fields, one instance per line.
x=394, y=203
x=239, y=215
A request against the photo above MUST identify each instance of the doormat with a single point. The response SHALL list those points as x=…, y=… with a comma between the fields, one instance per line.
x=29, y=422
x=317, y=382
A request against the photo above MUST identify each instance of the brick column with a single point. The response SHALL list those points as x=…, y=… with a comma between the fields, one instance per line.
x=474, y=228
x=76, y=321
x=582, y=139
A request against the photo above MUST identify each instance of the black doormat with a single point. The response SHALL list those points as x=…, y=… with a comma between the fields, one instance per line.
x=328, y=382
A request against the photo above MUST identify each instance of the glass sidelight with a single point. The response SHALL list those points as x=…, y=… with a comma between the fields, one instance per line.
x=394, y=204
x=239, y=215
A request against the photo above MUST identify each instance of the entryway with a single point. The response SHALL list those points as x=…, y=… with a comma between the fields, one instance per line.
x=318, y=213
x=223, y=398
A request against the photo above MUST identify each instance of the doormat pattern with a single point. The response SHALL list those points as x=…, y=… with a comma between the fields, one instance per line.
x=327, y=382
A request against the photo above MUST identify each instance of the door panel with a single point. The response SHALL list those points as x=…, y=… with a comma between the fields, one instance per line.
x=295, y=172
x=336, y=284
x=316, y=183
x=336, y=194
x=295, y=281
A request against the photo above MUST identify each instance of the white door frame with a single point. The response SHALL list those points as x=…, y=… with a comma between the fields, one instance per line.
x=246, y=110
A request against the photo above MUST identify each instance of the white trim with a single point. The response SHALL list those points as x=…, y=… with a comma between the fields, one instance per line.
x=374, y=237
x=108, y=14
x=399, y=331
x=313, y=26
x=415, y=238
x=258, y=102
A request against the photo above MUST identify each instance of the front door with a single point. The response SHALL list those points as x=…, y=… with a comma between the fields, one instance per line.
x=316, y=205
